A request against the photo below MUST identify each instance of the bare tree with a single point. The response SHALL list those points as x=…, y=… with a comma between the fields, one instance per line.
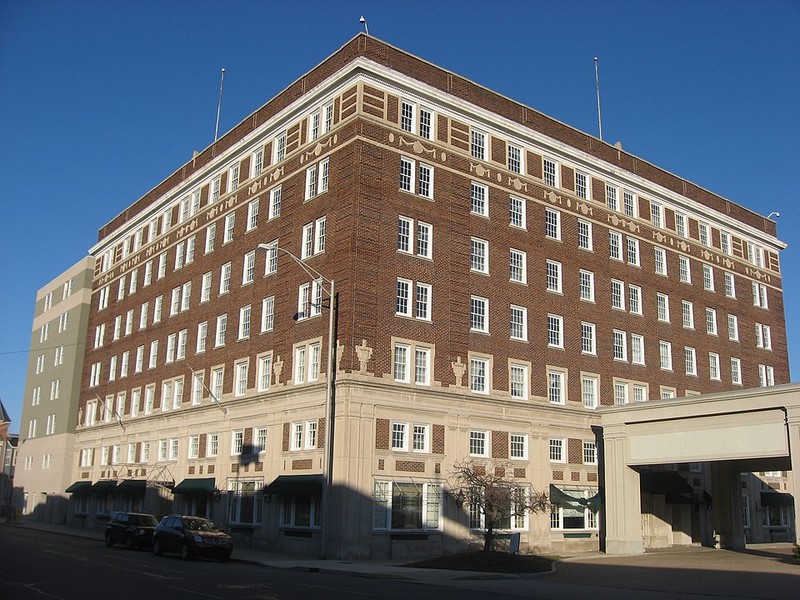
x=490, y=488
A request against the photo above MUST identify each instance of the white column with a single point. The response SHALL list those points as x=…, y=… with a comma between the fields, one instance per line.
x=793, y=423
x=622, y=503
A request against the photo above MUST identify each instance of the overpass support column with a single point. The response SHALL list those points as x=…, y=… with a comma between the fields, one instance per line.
x=622, y=505
x=726, y=489
x=793, y=424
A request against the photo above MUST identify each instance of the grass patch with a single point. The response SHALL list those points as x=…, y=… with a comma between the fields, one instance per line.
x=489, y=562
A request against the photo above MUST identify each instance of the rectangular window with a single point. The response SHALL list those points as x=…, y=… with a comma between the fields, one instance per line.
x=518, y=446
x=725, y=243
x=615, y=245
x=555, y=331
x=271, y=265
x=479, y=199
x=222, y=326
x=620, y=345
x=267, y=314
x=244, y=322
x=406, y=506
x=589, y=391
x=202, y=333
x=556, y=386
x=711, y=321
x=274, y=203
x=479, y=375
x=518, y=376
x=708, y=278
x=589, y=453
x=478, y=443
x=557, y=450
x=211, y=235
x=730, y=285
x=612, y=197
x=633, y=252
x=586, y=279
x=662, y=307
x=584, y=235
x=690, y=359
x=657, y=215
x=733, y=328
x=479, y=255
x=704, y=232
x=581, y=185
x=516, y=211
x=225, y=279
x=422, y=366
x=684, y=269
x=617, y=294
x=400, y=436
x=629, y=203
x=550, y=172
x=713, y=366
x=553, y=276
x=230, y=222
x=240, y=371
x=680, y=224
x=588, y=338
x=665, y=355
x=478, y=145
x=514, y=158
x=760, y=295
x=479, y=314
x=518, y=270
x=660, y=256
x=687, y=314
x=635, y=299
x=257, y=162
x=736, y=371
x=637, y=349
x=552, y=224
x=264, y=373
x=518, y=323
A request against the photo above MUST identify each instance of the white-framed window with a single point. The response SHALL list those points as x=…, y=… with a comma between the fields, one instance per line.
x=553, y=276
x=313, y=241
x=589, y=453
x=556, y=386
x=662, y=307
x=309, y=300
x=637, y=349
x=202, y=335
x=660, y=256
x=153, y=356
x=479, y=314
x=518, y=323
x=518, y=266
x=245, y=314
x=730, y=285
x=413, y=299
x=480, y=374
x=422, y=244
x=574, y=516
x=252, y=214
x=267, y=314
x=766, y=376
x=516, y=212
x=708, y=278
x=264, y=375
x=733, y=328
x=687, y=314
x=400, y=436
x=317, y=179
x=690, y=360
x=478, y=144
x=225, y=279
x=230, y=223
x=552, y=224
x=222, y=328
x=557, y=450
x=665, y=355
x=274, y=203
x=143, y=315
x=279, y=146
x=763, y=336
x=704, y=233
x=615, y=245
x=198, y=386
x=617, y=294
x=589, y=387
x=518, y=446
x=612, y=197
x=194, y=446
x=588, y=338
x=307, y=361
x=630, y=204
x=478, y=443
x=725, y=243
x=555, y=331
x=713, y=366
x=620, y=345
x=586, y=285
x=403, y=354
x=213, y=445
x=635, y=299
x=585, y=235
x=736, y=371
x=479, y=255
x=519, y=380
x=211, y=238
x=514, y=158
x=581, y=185
x=240, y=378
x=233, y=177
x=550, y=172
x=684, y=269
x=416, y=179
x=237, y=442
x=401, y=505
x=760, y=295
x=711, y=321
x=680, y=224
x=633, y=251
x=479, y=199
x=217, y=378
x=257, y=162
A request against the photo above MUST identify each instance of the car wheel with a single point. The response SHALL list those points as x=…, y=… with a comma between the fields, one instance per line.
x=109, y=540
x=157, y=550
x=130, y=544
x=185, y=553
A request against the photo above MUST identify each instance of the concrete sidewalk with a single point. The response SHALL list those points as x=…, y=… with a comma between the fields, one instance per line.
x=763, y=571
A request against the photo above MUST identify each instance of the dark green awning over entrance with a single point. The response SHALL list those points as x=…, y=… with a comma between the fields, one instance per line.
x=203, y=485
x=105, y=486
x=79, y=487
x=293, y=484
x=776, y=499
x=132, y=486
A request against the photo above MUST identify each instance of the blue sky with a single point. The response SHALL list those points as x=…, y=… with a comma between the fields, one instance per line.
x=101, y=100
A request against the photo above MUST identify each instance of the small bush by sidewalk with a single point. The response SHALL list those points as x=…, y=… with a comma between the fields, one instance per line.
x=489, y=562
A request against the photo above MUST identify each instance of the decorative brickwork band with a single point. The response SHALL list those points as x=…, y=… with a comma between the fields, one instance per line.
x=520, y=473
x=321, y=432
x=499, y=444
x=301, y=465
x=591, y=477
x=575, y=451
x=286, y=436
x=410, y=466
x=576, y=476
x=382, y=438
x=558, y=475
x=438, y=439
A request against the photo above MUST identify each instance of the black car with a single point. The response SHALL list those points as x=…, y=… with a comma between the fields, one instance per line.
x=134, y=530
x=191, y=537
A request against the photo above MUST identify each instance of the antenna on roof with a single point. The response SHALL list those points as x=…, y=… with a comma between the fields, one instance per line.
x=219, y=103
x=597, y=85
x=363, y=21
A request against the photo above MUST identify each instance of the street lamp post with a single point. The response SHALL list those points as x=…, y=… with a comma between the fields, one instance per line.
x=330, y=390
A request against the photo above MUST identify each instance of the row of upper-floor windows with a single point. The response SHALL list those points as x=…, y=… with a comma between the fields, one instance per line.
x=66, y=292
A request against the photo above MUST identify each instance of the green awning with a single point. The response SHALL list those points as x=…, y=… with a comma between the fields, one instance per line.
x=776, y=499
x=79, y=487
x=664, y=482
x=104, y=486
x=132, y=486
x=559, y=496
x=204, y=485
x=293, y=484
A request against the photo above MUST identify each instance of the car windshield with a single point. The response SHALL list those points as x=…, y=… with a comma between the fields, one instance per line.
x=144, y=520
x=200, y=525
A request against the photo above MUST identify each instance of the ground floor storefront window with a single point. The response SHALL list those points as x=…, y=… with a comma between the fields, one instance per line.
x=406, y=505
x=245, y=501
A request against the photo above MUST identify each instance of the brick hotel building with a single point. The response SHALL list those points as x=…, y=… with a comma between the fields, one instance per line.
x=500, y=275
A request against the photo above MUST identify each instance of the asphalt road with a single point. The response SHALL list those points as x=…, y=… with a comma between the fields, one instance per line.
x=36, y=565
